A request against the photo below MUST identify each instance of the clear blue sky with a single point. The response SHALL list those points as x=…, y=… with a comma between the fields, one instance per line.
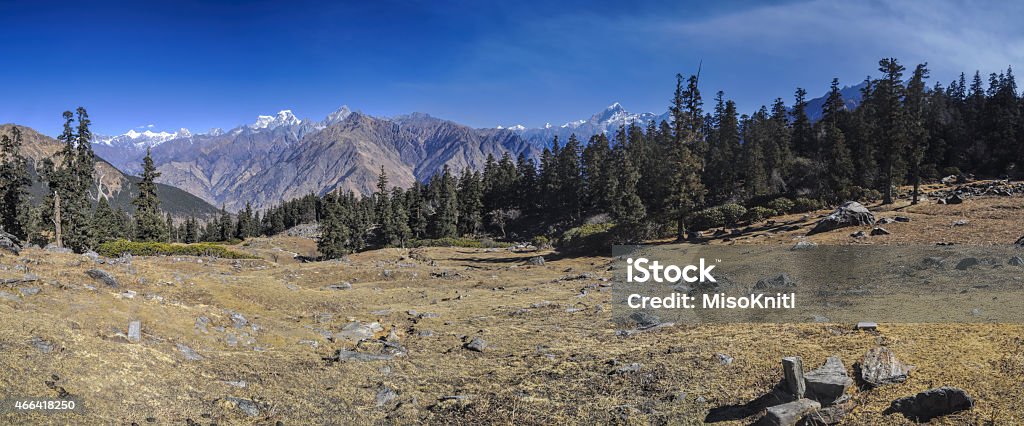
x=219, y=64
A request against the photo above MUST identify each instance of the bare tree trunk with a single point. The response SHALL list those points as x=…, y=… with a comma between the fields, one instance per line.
x=56, y=219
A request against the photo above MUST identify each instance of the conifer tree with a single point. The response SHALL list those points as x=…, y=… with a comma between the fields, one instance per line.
x=916, y=98
x=149, y=225
x=687, y=190
x=892, y=137
x=14, y=182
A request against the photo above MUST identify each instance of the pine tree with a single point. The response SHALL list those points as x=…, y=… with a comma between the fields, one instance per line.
x=687, y=190
x=803, y=139
x=470, y=195
x=334, y=233
x=892, y=135
x=627, y=209
x=446, y=218
x=14, y=183
x=149, y=225
x=106, y=222
x=915, y=104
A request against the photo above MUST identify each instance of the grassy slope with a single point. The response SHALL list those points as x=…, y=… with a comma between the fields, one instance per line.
x=544, y=365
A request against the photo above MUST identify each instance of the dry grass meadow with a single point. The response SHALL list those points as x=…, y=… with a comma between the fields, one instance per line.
x=552, y=354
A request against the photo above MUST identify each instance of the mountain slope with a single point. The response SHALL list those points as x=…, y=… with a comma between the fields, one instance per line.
x=118, y=188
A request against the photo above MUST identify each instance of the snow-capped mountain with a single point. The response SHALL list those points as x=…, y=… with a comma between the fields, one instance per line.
x=283, y=118
x=146, y=139
x=606, y=121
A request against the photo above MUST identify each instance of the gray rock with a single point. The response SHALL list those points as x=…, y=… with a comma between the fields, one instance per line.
x=247, y=406
x=41, y=344
x=902, y=219
x=828, y=383
x=28, y=291
x=202, y=323
x=238, y=320
x=10, y=243
x=790, y=413
x=793, y=376
x=804, y=245
x=859, y=234
x=10, y=297
x=104, y=277
x=342, y=286
x=425, y=333
x=626, y=368
x=347, y=355
x=91, y=255
x=850, y=213
x=780, y=281
x=1016, y=261
x=953, y=199
x=879, y=231
x=866, y=326
x=356, y=331
x=723, y=359
x=881, y=367
x=885, y=221
x=932, y=403
x=135, y=331
x=476, y=345
x=189, y=353
x=645, y=319
x=967, y=263
x=536, y=261
x=385, y=395
x=961, y=222
x=52, y=248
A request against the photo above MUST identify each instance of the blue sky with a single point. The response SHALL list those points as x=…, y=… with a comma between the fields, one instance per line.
x=219, y=64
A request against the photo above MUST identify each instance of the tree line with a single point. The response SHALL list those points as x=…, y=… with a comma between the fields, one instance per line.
x=650, y=180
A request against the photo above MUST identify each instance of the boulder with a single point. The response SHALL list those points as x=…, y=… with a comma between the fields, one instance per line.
x=850, y=213
x=1020, y=242
x=345, y=285
x=879, y=231
x=780, y=281
x=790, y=413
x=804, y=245
x=135, y=331
x=859, y=234
x=793, y=376
x=476, y=345
x=536, y=261
x=52, y=248
x=953, y=199
x=880, y=367
x=932, y=403
x=1016, y=261
x=828, y=383
x=104, y=277
x=902, y=219
x=189, y=353
x=356, y=331
x=967, y=263
x=10, y=243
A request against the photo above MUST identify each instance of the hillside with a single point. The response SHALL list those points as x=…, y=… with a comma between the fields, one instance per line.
x=119, y=189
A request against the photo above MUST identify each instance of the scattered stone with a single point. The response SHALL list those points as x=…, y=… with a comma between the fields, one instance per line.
x=91, y=255
x=866, y=326
x=425, y=333
x=790, y=413
x=1019, y=242
x=627, y=368
x=10, y=243
x=356, y=331
x=385, y=395
x=342, y=286
x=52, y=248
x=932, y=261
x=645, y=319
x=828, y=383
x=975, y=312
x=189, y=353
x=536, y=261
x=28, y=291
x=10, y=297
x=41, y=344
x=476, y=345
x=850, y=213
x=876, y=231
x=238, y=320
x=967, y=263
x=104, y=277
x=953, y=199
x=793, y=373
x=347, y=355
x=961, y=222
x=902, y=219
x=723, y=359
x=780, y=281
x=135, y=331
x=932, y=403
x=247, y=406
x=1016, y=261
x=236, y=383
x=804, y=245
x=859, y=234
x=201, y=324
x=426, y=315
x=880, y=367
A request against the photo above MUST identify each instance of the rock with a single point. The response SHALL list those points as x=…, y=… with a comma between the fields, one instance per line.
x=876, y=231
x=347, y=355
x=825, y=416
x=1019, y=242
x=850, y=213
x=804, y=245
x=10, y=243
x=953, y=199
x=932, y=403
x=902, y=219
x=723, y=359
x=859, y=234
x=385, y=395
x=967, y=263
x=238, y=320
x=790, y=413
x=189, y=353
x=91, y=255
x=828, y=383
x=104, y=277
x=1016, y=261
x=950, y=180
x=961, y=222
x=880, y=367
x=28, y=291
x=247, y=406
x=10, y=297
x=885, y=221
x=342, y=286
x=41, y=344
x=793, y=376
x=201, y=324
x=476, y=345
x=52, y=248
x=536, y=261
x=780, y=281
x=932, y=261
x=135, y=331
x=625, y=369
x=356, y=331
x=866, y=326
x=645, y=319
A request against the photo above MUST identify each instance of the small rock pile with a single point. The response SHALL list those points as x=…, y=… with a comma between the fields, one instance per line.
x=851, y=213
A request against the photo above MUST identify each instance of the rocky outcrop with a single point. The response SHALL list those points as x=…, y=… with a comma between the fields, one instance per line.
x=880, y=367
x=9, y=243
x=850, y=213
x=932, y=403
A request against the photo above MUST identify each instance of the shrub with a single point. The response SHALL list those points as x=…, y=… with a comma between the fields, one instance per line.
x=951, y=171
x=459, y=242
x=591, y=237
x=540, y=241
x=804, y=205
x=759, y=213
x=732, y=213
x=707, y=219
x=781, y=205
x=864, y=194
x=120, y=247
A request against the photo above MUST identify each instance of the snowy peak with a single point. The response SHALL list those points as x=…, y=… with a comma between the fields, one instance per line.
x=283, y=118
x=337, y=116
x=145, y=139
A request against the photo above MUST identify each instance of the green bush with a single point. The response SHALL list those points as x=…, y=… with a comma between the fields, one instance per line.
x=589, y=237
x=707, y=219
x=460, y=242
x=732, y=213
x=781, y=205
x=540, y=241
x=804, y=205
x=120, y=247
x=951, y=171
x=759, y=213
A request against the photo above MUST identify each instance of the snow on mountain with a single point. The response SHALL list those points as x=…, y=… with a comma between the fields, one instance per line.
x=605, y=121
x=337, y=116
x=283, y=118
x=140, y=140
